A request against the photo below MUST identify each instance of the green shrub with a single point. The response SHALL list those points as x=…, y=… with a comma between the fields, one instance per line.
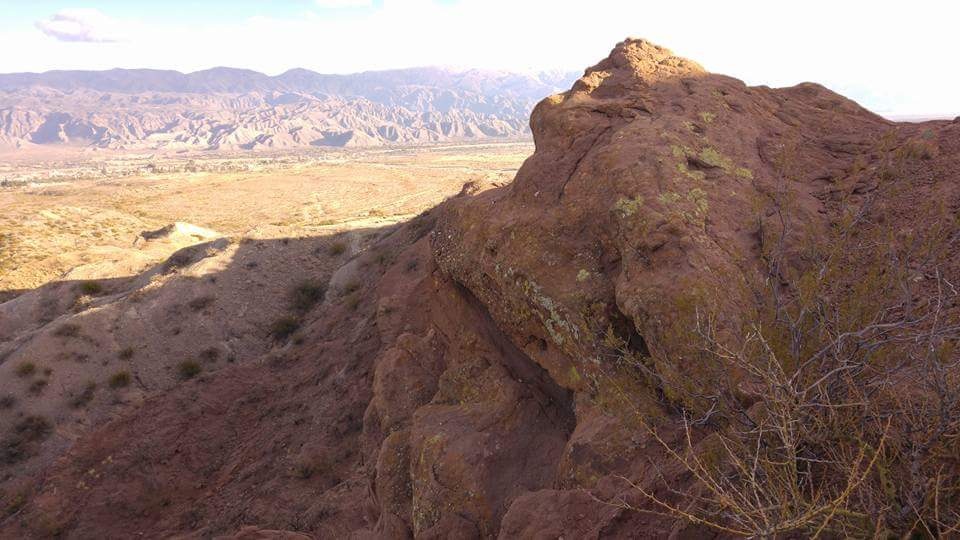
x=189, y=369
x=119, y=379
x=284, y=327
x=26, y=369
x=306, y=295
x=90, y=288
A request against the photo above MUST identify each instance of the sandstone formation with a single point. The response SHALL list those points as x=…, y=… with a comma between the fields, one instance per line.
x=467, y=376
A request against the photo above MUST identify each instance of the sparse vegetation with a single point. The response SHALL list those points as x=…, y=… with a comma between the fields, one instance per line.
x=284, y=327
x=303, y=469
x=120, y=379
x=90, y=288
x=38, y=386
x=201, y=303
x=25, y=369
x=7, y=401
x=126, y=353
x=24, y=433
x=85, y=396
x=337, y=249
x=14, y=504
x=67, y=330
x=210, y=354
x=918, y=148
x=33, y=428
x=306, y=295
x=835, y=409
x=189, y=369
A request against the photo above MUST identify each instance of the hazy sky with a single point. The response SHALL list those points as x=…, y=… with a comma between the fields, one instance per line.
x=896, y=57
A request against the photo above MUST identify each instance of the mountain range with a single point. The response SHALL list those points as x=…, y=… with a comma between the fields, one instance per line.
x=238, y=109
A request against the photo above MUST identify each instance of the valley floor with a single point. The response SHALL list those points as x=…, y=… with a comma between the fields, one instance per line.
x=80, y=219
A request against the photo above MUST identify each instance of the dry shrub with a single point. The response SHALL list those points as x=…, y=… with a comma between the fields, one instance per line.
x=90, y=288
x=188, y=369
x=67, y=330
x=284, y=327
x=22, y=438
x=306, y=295
x=26, y=369
x=120, y=379
x=835, y=410
x=85, y=396
x=201, y=303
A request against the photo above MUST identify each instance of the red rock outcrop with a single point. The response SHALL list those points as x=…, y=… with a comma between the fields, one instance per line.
x=456, y=381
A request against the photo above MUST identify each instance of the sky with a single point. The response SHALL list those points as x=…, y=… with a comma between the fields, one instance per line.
x=894, y=57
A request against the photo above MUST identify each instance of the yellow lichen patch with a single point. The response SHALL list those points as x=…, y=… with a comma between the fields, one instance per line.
x=712, y=157
x=555, y=99
x=574, y=376
x=627, y=207
x=698, y=197
x=694, y=175
x=668, y=198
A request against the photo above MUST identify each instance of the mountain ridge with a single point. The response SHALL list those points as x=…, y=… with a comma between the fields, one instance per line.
x=232, y=108
x=284, y=80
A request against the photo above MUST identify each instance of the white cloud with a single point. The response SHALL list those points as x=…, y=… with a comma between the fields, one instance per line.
x=336, y=4
x=87, y=25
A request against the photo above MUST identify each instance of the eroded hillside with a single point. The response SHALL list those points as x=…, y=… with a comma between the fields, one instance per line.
x=233, y=109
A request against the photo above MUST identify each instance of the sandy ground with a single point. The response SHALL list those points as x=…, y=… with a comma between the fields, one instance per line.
x=52, y=228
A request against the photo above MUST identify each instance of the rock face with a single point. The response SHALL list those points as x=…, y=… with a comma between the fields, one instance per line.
x=461, y=379
x=229, y=109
